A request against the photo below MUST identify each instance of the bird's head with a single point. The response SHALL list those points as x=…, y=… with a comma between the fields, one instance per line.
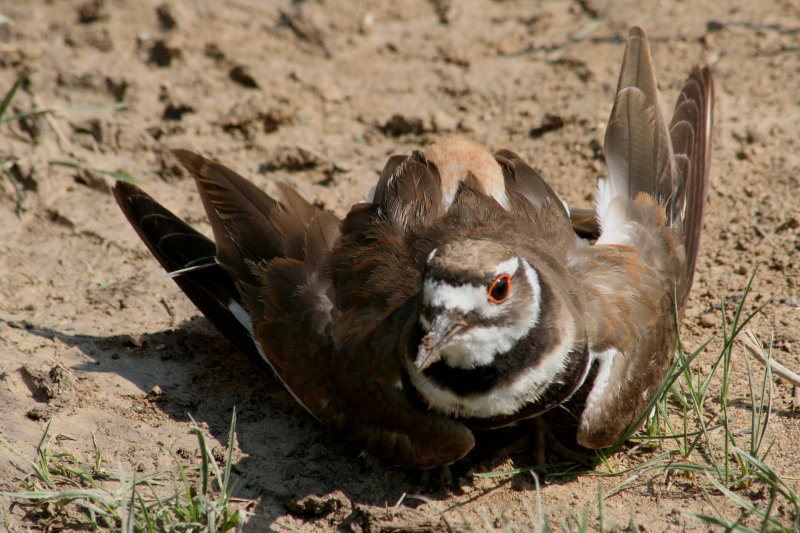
x=479, y=298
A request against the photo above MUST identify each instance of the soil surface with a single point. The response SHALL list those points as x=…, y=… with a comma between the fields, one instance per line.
x=319, y=94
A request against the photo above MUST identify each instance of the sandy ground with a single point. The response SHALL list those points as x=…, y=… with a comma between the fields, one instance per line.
x=91, y=341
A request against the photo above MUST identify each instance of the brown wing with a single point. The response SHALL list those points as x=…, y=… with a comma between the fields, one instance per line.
x=333, y=351
x=630, y=320
x=638, y=269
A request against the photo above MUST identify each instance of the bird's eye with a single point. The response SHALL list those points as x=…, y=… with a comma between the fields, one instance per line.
x=500, y=289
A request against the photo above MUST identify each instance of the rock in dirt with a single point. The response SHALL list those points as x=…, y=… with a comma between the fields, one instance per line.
x=708, y=320
x=175, y=111
x=401, y=125
x=92, y=11
x=39, y=412
x=250, y=117
x=241, y=75
x=549, y=123
x=46, y=386
x=435, y=122
x=166, y=18
x=213, y=51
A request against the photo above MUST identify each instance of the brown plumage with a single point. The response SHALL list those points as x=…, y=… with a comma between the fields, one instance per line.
x=462, y=297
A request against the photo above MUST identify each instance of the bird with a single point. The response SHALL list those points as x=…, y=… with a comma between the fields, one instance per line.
x=465, y=296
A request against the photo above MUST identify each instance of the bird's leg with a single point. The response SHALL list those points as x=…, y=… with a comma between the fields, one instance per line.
x=442, y=483
x=539, y=432
x=543, y=438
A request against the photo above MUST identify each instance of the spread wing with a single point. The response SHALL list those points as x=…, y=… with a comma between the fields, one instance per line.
x=650, y=212
x=690, y=131
x=271, y=292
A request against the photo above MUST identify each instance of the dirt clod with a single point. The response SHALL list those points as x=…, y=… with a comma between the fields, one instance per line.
x=92, y=11
x=162, y=54
x=313, y=506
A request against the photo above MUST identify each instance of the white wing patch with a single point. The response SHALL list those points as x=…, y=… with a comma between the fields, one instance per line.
x=606, y=361
x=615, y=228
x=243, y=317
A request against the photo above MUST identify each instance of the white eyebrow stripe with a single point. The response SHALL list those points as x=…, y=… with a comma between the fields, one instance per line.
x=509, y=266
x=469, y=298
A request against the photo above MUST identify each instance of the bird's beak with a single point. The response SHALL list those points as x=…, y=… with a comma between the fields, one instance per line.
x=442, y=330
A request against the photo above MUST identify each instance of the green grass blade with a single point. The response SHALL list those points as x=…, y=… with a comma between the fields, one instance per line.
x=728, y=526
x=116, y=174
x=229, y=456
x=10, y=94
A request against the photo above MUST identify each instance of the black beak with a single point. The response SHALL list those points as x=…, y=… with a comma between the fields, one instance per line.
x=442, y=330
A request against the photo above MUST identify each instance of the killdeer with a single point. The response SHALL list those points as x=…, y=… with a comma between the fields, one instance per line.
x=461, y=297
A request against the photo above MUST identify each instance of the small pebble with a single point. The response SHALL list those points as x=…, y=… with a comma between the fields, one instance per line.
x=708, y=320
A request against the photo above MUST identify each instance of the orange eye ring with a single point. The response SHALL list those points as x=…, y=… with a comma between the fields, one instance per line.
x=500, y=289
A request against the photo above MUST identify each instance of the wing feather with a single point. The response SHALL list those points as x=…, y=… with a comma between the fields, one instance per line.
x=637, y=148
x=528, y=191
x=690, y=131
x=650, y=212
x=177, y=245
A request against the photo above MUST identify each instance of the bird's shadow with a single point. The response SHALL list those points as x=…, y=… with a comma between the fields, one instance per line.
x=193, y=372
